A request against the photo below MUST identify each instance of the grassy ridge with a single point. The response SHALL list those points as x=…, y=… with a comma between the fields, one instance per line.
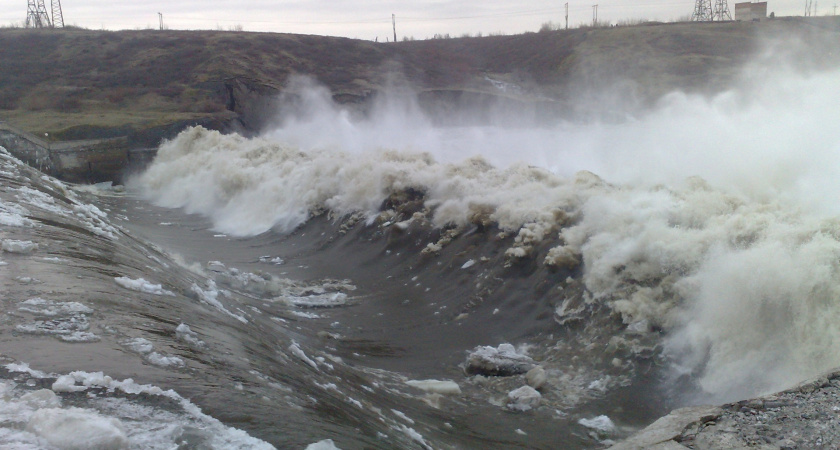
x=64, y=82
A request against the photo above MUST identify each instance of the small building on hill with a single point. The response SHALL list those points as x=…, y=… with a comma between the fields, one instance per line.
x=748, y=12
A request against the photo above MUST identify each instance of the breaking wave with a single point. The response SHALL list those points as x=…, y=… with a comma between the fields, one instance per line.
x=711, y=221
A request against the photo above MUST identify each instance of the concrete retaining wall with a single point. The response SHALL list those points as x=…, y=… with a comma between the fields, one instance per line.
x=89, y=161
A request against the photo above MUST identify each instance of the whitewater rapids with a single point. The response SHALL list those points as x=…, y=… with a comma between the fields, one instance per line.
x=334, y=281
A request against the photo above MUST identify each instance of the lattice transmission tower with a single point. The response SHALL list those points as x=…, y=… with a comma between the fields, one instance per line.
x=36, y=14
x=57, y=16
x=721, y=11
x=38, y=17
x=702, y=11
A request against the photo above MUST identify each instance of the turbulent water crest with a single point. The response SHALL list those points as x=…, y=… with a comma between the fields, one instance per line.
x=383, y=281
x=712, y=219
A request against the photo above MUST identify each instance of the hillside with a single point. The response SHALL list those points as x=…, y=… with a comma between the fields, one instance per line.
x=77, y=84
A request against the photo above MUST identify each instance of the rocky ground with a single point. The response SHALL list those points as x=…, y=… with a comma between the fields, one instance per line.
x=806, y=416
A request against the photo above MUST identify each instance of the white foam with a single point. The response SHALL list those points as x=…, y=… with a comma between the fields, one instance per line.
x=210, y=296
x=297, y=351
x=36, y=419
x=724, y=235
x=75, y=428
x=326, y=444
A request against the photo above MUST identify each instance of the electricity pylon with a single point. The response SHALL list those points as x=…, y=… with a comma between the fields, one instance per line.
x=702, y=11
x=38, y=17
x=721, y=11
x=57, y=16
x=36, y=14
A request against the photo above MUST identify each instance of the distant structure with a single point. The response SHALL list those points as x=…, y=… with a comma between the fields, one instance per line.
x=702, y=11
x=57, y=15
x=721, y=11
x=38, y=17
x=749, y=12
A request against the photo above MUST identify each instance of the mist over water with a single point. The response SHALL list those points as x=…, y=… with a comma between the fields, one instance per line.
x=711, y=218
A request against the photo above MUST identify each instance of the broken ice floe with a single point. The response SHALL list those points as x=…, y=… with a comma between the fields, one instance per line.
x=184, y=333
x=600, y=427
x=38, y=418
x=436, y=386
x=21, y=247
x=144, y=347
x=44, y=307
x=65, y=320
x=141, y=285
x=318, y=301
x=504, y=360
x=269, y=260
x=523, y=399
x=12, y=215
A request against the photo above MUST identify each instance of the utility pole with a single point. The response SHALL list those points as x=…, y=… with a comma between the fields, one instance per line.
x=394, y=23
x=594, y=15
x=160, y=19
x=567, y=14
x=807, y=8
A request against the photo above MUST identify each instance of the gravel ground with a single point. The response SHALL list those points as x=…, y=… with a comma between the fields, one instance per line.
x=805, y=417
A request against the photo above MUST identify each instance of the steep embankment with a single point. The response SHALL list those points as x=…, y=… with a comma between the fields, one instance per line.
x=77, y=84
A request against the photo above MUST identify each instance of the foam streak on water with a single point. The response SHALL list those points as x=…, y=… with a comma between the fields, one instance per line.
x=714, y=219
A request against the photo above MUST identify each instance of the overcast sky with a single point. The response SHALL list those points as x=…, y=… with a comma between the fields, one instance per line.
x=369, y=19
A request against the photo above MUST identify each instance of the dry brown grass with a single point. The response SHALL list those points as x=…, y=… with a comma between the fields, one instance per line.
x=51, y=79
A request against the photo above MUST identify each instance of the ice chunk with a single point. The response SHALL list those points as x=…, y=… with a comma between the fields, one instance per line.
x=536, y=377
x=601, y=426
x=22, y=247
x=318, y=301
x=139, y=345
x=79, y=336
x=44, y=307
x=436, y=386
x=141, y=285
x=184, y=333
x=501, y=361
x=523, y=399
x=164, y=361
